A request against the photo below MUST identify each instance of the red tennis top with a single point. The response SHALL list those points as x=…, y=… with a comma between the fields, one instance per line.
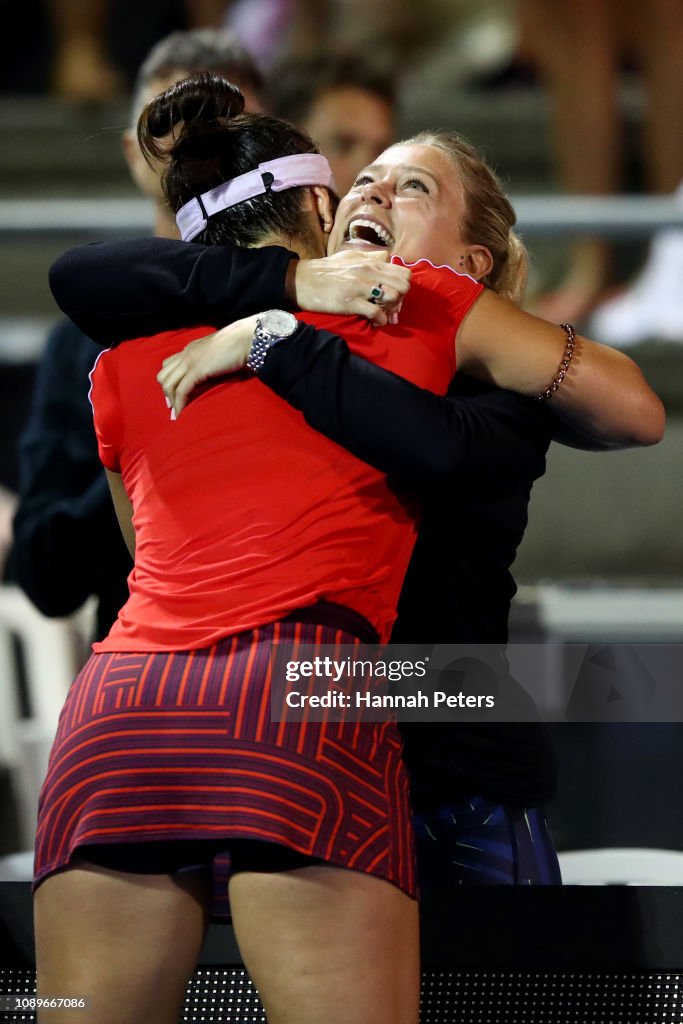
x=242, y=512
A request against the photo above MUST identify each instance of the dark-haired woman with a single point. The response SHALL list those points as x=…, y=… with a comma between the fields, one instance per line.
x=166, y=755
x=189, y=591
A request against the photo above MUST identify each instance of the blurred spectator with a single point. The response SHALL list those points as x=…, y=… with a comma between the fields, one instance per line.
x=346, y=102
x=581, y=48
x=170, y=60
x=265, y=27
x=67, y=544
x=58, y=47
x=82, y=68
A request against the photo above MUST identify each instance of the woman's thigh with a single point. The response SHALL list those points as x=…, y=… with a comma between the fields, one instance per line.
x=328, y=944
x=128, y=943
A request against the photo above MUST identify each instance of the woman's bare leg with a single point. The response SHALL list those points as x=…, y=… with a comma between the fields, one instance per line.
x=83, y=69
x=128, y=943
x=649, y=305
x=326, y=944
x=657, y=39
x=575, y=47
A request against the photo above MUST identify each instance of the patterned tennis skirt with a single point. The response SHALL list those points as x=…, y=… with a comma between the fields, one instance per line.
x=181, y=746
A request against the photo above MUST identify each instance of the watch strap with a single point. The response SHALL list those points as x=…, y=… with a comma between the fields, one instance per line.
x=263, y=341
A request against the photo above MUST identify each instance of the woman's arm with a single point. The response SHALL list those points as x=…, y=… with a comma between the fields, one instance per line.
x=123, y=509
x=386, y=421
x=406, y=431
x=604, y=393
x=129, y=289
x=605, y=396
x=135, y=288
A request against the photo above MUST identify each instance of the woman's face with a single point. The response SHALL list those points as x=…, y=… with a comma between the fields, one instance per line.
x=411, y=202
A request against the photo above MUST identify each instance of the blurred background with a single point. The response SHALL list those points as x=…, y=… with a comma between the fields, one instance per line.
x=569, y=103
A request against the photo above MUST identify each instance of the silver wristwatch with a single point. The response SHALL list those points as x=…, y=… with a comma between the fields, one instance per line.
x=271, y=327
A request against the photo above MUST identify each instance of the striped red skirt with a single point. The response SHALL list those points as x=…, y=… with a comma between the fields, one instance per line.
x=181, y=746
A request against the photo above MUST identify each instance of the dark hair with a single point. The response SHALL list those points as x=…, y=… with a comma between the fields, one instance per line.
x=199, y=49
x=213, y=141
x=297, y=84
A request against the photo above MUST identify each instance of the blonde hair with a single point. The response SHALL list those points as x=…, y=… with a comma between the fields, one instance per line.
x=489, y=215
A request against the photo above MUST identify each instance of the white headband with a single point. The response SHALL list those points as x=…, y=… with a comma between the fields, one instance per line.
x=273, y=176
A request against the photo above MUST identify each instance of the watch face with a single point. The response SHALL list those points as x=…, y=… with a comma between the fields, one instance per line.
x=279, y=323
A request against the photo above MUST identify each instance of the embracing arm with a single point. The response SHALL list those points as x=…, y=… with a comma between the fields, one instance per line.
x=381, y=418
x=130, y=289
x=398, y=427
x=604, y=394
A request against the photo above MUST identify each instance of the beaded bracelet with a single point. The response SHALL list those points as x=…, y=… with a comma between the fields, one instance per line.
x=564, y=365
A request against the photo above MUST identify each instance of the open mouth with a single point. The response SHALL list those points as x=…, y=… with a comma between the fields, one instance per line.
x=369, y=232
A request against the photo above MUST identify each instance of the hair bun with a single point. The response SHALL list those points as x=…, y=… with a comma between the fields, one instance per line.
x=200, y=103
x=207, y=98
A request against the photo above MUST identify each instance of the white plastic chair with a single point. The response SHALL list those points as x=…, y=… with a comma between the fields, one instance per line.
x=17, y=867
x=53, y=651
x=622, y=866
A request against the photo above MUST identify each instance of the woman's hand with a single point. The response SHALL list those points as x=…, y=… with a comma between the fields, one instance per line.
x=225, y=351
x=342, y=284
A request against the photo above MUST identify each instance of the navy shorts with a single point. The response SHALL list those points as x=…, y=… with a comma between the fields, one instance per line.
x=479, y=842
